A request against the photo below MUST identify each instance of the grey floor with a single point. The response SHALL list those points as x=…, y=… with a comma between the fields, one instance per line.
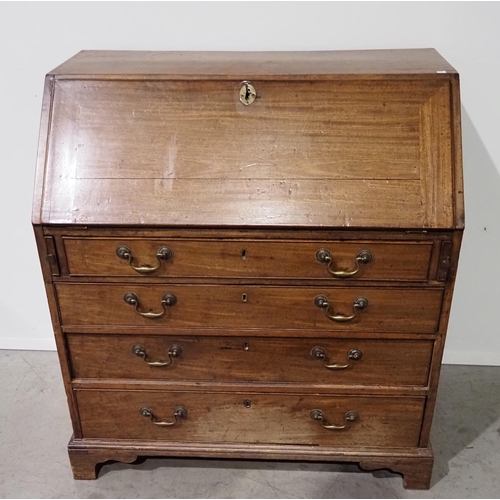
x=35, y=428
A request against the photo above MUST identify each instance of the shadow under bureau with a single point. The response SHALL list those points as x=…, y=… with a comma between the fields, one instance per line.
x=251, y=255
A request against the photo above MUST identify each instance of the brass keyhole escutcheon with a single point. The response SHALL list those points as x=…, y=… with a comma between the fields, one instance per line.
x=247, y=93
x=247, y=403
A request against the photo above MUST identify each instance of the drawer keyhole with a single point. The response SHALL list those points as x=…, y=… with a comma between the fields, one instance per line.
x=244, y=297
x=243, y=254
x=247, y=403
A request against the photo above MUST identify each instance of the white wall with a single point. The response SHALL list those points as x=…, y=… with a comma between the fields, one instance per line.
x=34, y=38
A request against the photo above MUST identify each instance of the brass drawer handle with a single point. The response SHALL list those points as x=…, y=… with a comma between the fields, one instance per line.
x=322, y=302
x=325, y=257
x=163, y=253
x=319, y=353
x=173, y=352
x=350, y=416
x=168, y=300
x=180, y=412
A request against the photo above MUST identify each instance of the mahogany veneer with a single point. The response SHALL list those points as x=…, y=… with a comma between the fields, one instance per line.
x=251, y=255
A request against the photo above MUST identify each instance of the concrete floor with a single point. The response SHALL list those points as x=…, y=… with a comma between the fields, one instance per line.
x=35, y=428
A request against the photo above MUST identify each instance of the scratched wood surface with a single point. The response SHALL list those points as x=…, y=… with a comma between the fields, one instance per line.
x=319, y=153
x=270, y=418
x=250, y=359
x=390, y=310
x=264, y=259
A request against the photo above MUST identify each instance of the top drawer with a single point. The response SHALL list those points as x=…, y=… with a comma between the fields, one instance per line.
x=340, y=260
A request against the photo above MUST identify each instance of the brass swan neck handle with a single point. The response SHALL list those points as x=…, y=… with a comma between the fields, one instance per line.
x=324, y=256
x=168, y=300
x=318, y=415
x=163, y=253
x=174, y=351
x=322, y=302
x=179, y=413
x=352, y=355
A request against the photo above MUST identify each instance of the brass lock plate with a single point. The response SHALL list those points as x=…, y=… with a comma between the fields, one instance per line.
x=247, y=93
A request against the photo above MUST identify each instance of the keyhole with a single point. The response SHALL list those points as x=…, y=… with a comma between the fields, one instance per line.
x=246, y=346
x=247, y=93
x=243, y=254
x=244, y=297
x=247, y=403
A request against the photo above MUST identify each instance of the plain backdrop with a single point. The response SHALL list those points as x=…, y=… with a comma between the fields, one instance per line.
x=36, y=37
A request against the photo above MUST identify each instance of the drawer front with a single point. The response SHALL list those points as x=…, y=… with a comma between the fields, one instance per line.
x=248, y=359
x=213, y=306
x=250, y=418
x=267, y=259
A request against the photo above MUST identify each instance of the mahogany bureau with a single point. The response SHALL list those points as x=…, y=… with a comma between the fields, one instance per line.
x=251, y=255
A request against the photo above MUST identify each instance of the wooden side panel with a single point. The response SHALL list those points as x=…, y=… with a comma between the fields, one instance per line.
x=458, y=177
x=56, y=325
x=41, y=160
x=255, y=418
x=391, y=310
x=440, y=341
x=249, y=359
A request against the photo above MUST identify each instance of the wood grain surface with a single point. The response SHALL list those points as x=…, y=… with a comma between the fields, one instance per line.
x=270, y=418
x=271, y=65
x=246, y=259
x=250, y=359
x=304, y=154
x=415, y=464
x=389, y=310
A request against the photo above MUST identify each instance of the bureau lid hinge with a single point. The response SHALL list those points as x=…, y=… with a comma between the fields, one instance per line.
x=444, y=261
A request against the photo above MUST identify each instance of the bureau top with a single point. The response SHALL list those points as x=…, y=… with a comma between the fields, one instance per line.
x=361, y=139
x=245, y=65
